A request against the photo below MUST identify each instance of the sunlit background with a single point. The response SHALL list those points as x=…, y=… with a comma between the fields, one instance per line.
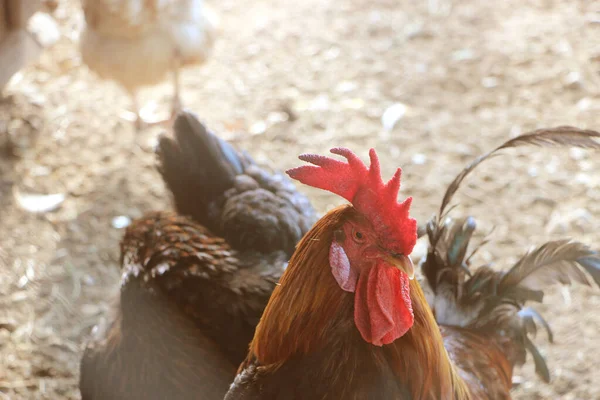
x=429, y=84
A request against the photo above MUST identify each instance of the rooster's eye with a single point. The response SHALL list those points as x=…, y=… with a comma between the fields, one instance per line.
x=358, y=235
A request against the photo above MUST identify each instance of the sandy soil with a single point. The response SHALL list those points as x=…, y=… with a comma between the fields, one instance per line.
x=470, y=74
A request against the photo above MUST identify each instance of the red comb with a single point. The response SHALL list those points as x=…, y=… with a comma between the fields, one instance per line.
x=367, y=192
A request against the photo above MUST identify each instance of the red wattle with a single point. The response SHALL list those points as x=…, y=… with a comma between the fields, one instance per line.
x=382, y=307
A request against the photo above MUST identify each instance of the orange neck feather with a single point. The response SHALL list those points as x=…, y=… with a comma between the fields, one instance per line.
x=307, y=288
x=308, y=307
x=436, y=376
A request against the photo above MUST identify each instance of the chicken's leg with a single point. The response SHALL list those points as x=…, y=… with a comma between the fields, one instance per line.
x=136, y=110
x=176, y=105
x=133, y=115
x=137, y=114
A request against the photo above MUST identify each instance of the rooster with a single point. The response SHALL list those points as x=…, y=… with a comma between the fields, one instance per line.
x=137, y=42
x=347, y=321
x=195, y=282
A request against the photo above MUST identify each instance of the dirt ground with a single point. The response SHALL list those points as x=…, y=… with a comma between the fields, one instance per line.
x=469, y=73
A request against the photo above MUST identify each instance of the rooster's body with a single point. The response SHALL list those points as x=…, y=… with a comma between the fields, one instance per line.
x=344, y=324
x=195, y=283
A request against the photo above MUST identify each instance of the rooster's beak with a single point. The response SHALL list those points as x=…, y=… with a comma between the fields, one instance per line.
x=402, y=262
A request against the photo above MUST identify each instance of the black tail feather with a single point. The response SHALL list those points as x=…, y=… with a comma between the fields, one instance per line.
x=197, y=167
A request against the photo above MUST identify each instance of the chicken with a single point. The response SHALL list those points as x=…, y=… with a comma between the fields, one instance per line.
x=195, y=282
x=137, y=42
x=485, y=323
x=347, y=321
x=482, y=315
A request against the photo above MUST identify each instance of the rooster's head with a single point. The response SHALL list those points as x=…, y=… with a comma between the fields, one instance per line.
x=369, y=252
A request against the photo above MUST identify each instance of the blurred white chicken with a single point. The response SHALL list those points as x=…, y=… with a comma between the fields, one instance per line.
x=137, y=42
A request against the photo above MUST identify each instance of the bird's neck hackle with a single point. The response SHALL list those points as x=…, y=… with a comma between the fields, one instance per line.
x=421, y=359
x=307, y=301
x=307, y=308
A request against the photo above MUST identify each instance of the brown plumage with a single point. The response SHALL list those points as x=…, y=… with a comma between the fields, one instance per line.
x=307, y=345
x=195, y=283
x=486, y=326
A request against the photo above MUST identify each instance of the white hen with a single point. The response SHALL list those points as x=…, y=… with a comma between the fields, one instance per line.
x=137, y=42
